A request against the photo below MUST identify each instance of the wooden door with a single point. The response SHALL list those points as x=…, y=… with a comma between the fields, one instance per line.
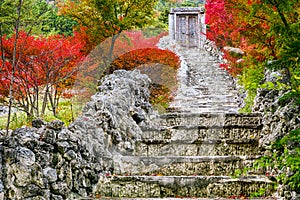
x=192, y=33
x=182, y=31
x=187, y=34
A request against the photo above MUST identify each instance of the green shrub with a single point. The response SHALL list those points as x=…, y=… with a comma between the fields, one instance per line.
x=285, y=159
x=290, y=96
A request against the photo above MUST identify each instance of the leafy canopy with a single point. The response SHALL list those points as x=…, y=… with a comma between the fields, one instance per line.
x=104, y=19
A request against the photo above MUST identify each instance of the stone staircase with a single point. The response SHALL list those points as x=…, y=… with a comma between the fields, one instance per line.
x=193, y=151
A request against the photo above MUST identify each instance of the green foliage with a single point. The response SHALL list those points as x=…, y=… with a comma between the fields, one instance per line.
x=37, y=17
x=57, y=24
x=160, y=96
x=290, y=96
x=104, y=19
x=285, y=159
x=190, y=3
x=67, y=112
x=33, y=13
x=260, y=193
x=163, y=18
x=6, y=20
x=18, y=120
x=250, y=79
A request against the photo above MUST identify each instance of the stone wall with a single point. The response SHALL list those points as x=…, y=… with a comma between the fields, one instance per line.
x=280, y=117
x=50, y=161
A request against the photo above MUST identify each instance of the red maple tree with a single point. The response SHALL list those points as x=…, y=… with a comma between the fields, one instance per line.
x=45, y=69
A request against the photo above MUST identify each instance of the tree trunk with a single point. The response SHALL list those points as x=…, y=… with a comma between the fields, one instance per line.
x=110, y=53
x=45, y=100
x=1, y=48
x=14, y=63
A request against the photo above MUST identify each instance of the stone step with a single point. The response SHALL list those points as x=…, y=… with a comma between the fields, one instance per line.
x=206, y=68
x=175, y=198
x=202, y=104
x=183, y=165
x=204, y=91
x=181, y=186
x=210, y=76
x=208, y=119
x=207, y=98
x=215, y=147
x=199, y=133
x=226, y=88
x=202, y=110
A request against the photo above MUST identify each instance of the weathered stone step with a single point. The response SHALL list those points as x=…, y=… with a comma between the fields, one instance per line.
x=183, y=165
x=204, y=104
x=208, y=119
x=197, y=148
x=214, y=89
x=208, y=70
x=202, y=110
x=175, y=198
x=210, y=77
x=209, y=99
x=181, y=186
x=198, y=133
x=208, y=105
x=204, y=91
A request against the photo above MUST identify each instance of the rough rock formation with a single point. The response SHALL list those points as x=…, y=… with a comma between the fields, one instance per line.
x=280, y=117
x=50, y=161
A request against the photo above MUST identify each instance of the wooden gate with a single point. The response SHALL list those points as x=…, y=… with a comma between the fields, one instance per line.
x=187, y=34
x=187, y=27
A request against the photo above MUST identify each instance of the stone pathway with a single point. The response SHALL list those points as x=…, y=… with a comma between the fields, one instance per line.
x=203, y=86
x=192, y=151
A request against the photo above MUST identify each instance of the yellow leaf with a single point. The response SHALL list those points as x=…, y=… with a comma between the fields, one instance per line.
x=296, y=77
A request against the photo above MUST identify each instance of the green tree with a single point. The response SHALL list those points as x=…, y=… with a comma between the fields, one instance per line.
x=105, y=19
x=51, y=22
x=108, y=19
x=7, y=7
x=58, y=24
x=36, y=17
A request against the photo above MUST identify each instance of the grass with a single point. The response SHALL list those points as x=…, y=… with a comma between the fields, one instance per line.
x=18, y=119
x=67, y=111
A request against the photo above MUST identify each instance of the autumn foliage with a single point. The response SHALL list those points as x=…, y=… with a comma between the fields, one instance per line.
x=266, y=31
x=132, y=50
x=160, y=65
x=229, y=25
x=135, y=58
x=45, y=66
